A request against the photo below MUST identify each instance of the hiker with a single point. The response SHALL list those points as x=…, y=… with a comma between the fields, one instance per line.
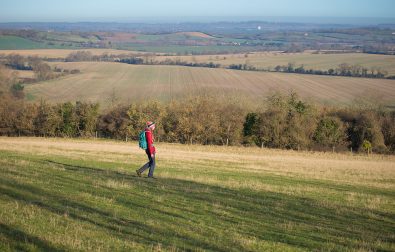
x=150, y=150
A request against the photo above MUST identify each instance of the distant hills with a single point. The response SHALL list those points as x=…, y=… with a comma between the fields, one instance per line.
x=226, y=27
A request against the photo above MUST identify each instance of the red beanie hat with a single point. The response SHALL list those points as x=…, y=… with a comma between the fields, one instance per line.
x=149, y=124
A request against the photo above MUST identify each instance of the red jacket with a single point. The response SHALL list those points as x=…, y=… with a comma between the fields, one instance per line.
x=150, y=141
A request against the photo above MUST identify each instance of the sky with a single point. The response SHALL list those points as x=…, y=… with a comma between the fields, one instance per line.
x=183, y=10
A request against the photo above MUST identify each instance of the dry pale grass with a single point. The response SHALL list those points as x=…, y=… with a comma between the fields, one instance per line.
x=187, y=158
x=339, y=186
x=101, y=81
x=308, y=59
x=196, y=34
x=24, y=74
x=117, y=184
x=374, y=170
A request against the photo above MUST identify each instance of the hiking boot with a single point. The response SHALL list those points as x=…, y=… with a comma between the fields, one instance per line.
x=138, y=173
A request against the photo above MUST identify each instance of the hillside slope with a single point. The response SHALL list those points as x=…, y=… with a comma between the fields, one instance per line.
x=101, y=82
x=59, y=194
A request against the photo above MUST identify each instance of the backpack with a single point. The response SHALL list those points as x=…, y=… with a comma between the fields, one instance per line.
x=142, y=140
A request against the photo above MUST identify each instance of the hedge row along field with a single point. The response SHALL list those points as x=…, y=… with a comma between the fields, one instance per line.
x=309, y=59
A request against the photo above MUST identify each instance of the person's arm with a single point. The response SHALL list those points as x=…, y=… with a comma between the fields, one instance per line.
x=148, y=136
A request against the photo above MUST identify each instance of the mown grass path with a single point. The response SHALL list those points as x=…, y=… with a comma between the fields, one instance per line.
x=58, y=195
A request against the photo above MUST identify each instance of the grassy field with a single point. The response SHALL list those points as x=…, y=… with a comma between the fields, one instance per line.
x=62, y=53
x=102, y=82
x=14, y=43
x=182, y=42
x=45, y=40
x=17, y=43
x=59, y=194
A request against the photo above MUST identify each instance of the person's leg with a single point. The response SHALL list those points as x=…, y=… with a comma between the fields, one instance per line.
x=144, y=167
x=151, y=166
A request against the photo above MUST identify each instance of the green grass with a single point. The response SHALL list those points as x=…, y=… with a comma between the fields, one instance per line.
x=68, y=37
x=19, y=43
x=70, y=195
x=13, y=43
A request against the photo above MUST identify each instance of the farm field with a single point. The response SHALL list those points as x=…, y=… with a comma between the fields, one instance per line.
x=16, y=43
x=101, y=82
x=63, y=194
x=62, y=53
x=180, y=42
x=45, y=40
x=184, y=49
x=23, y=74
x=310, y=60
x=257, y=59
x=13, y=42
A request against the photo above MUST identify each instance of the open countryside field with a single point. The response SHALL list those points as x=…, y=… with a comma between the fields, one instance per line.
x=258, y=59
x=59, y=194
x=15, y=43
x=44, y=40
x=176, y=43
x=63, y=53
x=101, y=82
x=310, y=60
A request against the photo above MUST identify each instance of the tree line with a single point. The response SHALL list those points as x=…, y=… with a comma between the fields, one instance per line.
x=291, y=123
x=343, y=69
x=42, y=71
x=285, y=122
x=133, y=60
x=282, y=121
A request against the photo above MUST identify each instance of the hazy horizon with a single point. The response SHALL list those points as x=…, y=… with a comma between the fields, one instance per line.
x=201, y=19
x=334, y=11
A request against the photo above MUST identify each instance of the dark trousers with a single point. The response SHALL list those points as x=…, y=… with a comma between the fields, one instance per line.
x=150, y=165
